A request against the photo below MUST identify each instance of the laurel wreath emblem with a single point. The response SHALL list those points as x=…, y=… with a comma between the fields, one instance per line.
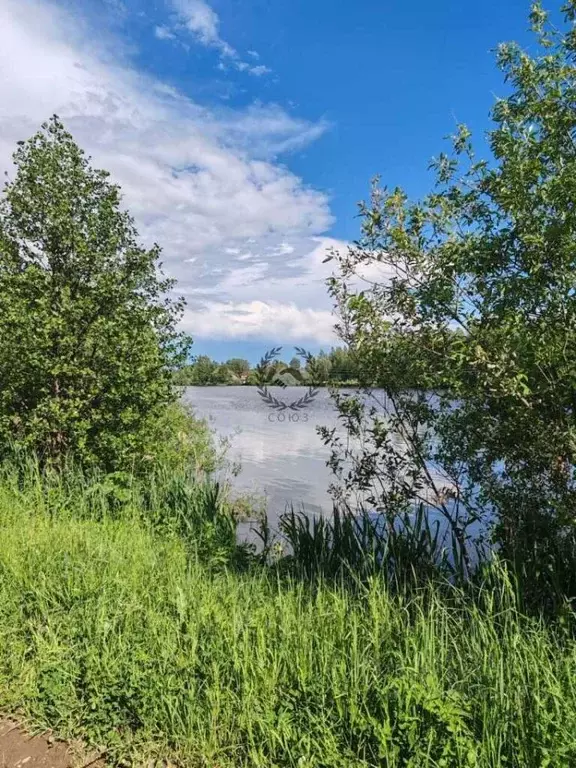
x=271, y=401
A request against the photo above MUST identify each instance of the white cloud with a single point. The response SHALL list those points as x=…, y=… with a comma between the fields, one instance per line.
x=259, y=70
x=244, y=320
x=163, y=33
x=285, y=249
x=269, y=130
x=203, y=184
x=271, y=298
x=200, y=19
x=243, y=66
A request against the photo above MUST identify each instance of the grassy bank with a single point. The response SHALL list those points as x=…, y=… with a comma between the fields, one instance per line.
x=114, y=631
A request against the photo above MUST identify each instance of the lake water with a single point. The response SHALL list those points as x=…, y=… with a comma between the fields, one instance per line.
x=281, y=459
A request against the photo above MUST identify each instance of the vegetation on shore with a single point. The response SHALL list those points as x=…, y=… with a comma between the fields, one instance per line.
x=154, y=642
x=337, y=367
x=87, y=323
x=479, y=280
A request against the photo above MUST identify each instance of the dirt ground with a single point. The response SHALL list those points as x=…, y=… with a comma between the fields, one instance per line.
x=19, y=749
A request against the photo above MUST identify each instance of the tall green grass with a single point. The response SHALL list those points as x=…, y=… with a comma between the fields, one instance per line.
x=118, y=631
x=409, y=549
x=179, y=503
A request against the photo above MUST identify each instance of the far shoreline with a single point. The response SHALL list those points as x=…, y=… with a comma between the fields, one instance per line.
x=337, y=385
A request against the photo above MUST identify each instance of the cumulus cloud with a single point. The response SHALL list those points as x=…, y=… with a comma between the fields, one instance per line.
x=264, y=295
x=271, y=298
x=204, y=184
x=244, y=320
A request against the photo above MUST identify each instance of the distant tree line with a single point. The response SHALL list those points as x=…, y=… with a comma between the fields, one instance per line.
x=338, y=366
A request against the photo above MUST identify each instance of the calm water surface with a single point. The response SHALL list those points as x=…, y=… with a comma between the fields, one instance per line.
x=283, y=460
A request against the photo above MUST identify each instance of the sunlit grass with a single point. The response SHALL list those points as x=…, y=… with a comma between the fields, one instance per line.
x=114, y=632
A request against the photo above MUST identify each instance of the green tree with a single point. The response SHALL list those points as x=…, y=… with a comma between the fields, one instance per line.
x=88, y=337
x=318, y=368
x=342, y=365
x=204, y=371
x=239, y=367
x=481, y=288
x=223, y=374
x=184, y=376
x=295, y=363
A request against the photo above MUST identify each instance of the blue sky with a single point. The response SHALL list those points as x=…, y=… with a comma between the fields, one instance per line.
x=244, y=132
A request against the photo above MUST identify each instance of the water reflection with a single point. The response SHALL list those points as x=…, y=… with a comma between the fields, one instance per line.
x=283, y=460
